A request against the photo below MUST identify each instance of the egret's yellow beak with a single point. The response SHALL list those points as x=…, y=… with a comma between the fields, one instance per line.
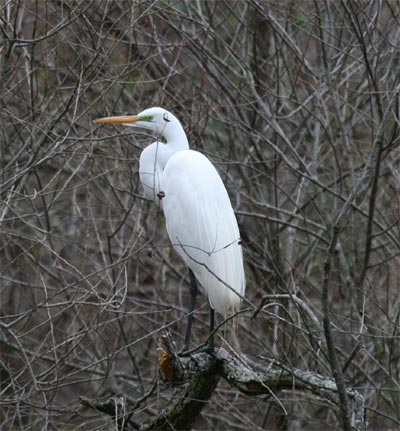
x=127, y=119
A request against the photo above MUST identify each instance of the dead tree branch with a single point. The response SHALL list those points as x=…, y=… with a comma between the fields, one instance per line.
x=201, y=372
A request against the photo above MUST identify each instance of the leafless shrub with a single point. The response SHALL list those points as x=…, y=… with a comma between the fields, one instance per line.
x=297, y=104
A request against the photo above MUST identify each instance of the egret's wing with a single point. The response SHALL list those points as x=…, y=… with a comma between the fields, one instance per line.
x=203, y=228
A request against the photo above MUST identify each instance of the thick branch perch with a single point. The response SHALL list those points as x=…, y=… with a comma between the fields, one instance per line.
x=278, y=378
x=202, y=371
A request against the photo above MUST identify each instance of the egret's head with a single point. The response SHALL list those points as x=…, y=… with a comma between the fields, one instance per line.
x=155, y=119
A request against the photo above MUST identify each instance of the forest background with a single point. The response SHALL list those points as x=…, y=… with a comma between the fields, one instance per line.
x=297, y=105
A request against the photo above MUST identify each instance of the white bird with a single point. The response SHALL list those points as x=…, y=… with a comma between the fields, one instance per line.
x=199, y=216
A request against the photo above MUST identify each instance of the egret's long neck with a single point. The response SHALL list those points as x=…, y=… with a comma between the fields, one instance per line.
x=176, y=141
x=175, y=136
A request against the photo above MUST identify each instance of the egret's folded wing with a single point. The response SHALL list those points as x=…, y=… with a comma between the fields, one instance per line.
x=203, y=228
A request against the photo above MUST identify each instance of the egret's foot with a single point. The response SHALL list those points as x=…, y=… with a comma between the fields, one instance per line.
x=210, y=344
x=185, y=351
x=206, y=348
x=209, y=348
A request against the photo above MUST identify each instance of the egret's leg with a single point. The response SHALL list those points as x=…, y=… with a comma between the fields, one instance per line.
x=193, y=294
x=211, y=339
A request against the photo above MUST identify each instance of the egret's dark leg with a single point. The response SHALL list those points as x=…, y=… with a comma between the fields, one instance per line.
x=193, y=294
x=211, y=338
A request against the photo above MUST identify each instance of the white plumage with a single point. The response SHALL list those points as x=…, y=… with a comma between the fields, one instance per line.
x=202, y=227
x=200, y=220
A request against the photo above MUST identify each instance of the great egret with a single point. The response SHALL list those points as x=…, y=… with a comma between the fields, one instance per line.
x=200, y=220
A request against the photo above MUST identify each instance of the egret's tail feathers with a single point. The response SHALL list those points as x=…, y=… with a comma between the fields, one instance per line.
x=235, y=324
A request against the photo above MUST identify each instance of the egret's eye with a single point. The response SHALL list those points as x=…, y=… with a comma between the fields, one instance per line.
x=165, y=116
